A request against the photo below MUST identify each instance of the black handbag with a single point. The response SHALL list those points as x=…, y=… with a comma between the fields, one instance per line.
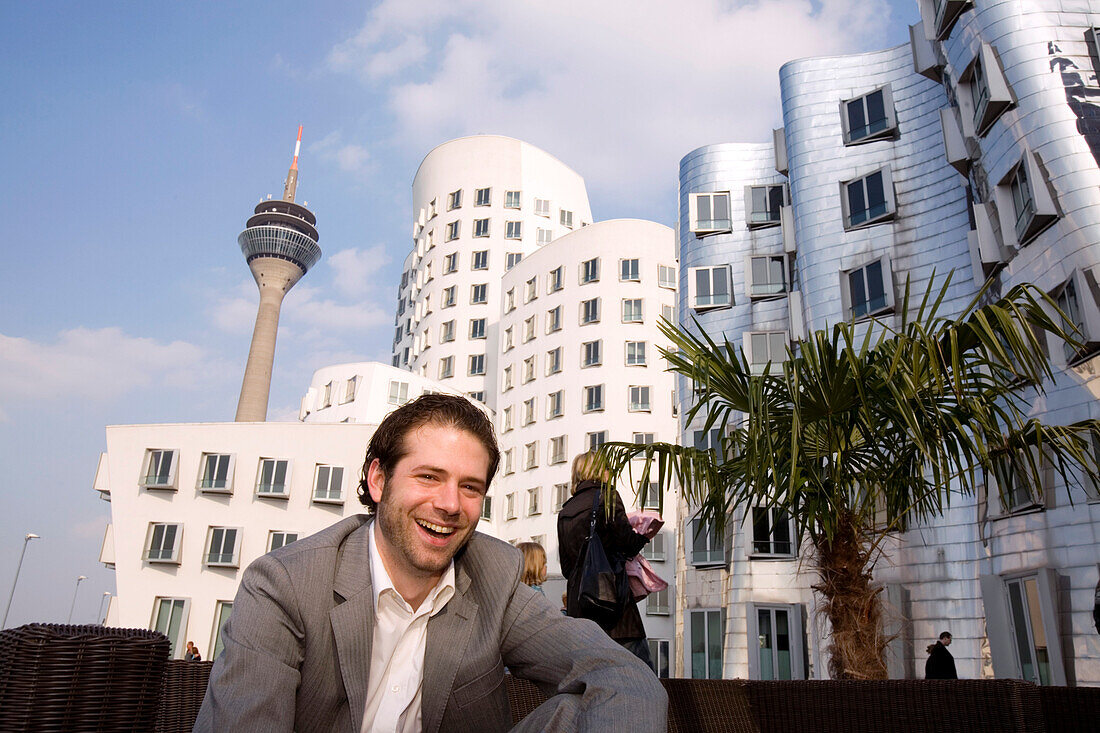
x=603, y=588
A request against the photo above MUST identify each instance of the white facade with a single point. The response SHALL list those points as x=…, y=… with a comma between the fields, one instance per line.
x=362, y=392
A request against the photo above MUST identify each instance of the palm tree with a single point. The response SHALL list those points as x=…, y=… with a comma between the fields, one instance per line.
x=868, y=427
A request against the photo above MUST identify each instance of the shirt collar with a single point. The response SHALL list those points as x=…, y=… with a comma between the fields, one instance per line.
x=437, y=598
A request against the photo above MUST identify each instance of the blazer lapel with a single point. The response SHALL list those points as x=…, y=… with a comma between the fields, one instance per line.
x=353, y=619
x=448, y=636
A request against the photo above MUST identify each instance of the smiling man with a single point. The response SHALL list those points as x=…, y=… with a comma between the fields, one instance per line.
x=404, y=619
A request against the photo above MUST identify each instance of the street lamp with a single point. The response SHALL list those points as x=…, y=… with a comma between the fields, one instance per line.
x=26, y=538
x=78, y=579
x=99, y=617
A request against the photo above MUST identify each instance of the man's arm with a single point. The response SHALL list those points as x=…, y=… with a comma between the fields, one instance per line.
x=254, y=682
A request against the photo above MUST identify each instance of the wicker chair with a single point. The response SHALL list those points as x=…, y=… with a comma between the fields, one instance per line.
x=1070, y=709
x=80, y=678
x=181, y=696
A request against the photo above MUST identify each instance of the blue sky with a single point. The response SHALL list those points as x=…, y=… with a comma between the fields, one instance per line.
x=138, y=136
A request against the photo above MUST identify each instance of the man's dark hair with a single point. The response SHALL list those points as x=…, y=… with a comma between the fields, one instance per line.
x=945, y=635
x=388, y=442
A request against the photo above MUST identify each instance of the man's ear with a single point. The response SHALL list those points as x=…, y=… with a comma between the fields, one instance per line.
x=376, y=480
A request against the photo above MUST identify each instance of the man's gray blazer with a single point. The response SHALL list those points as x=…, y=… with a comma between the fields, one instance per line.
x=297, y=648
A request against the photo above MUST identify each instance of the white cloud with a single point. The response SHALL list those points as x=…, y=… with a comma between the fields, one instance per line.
x=621, y=90
x=357, y=271
x=318, y=317
x=348, y=157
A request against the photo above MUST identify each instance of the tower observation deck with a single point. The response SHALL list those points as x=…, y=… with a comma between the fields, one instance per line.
x=279, y=243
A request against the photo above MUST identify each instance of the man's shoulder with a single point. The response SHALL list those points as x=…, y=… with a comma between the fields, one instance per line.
x=487, y=556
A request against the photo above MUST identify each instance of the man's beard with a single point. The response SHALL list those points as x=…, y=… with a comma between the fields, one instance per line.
x=400, y=532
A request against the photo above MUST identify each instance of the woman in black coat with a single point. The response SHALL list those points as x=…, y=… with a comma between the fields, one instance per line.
x=618, y=538
x=940, y=664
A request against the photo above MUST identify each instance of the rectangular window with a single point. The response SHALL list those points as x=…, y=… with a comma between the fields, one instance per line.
x=446, y=367
x=557, y=450
x=529, y=325
x=528, y=369
x=509, y=341
x=477, y=365
x=659, y=657
x=350, y=389
x=481, y=260
x=710, y=212
x=543, y=236
x=649, y=495
x=481, y=196
x=477, y=328
x=590, y=311
x=326, y=399
x=531, y=456
x=506, y=420
x=454, y=200
x=506, y=382
x=478, y=396
x=452, y=231
x=487, y=508
x=528, y=411
x=590, y=353
x=479, y=294
x=449, y=296
x=553, y=319
x=708, y=440
x=171, y=620
x=511, y=199
x=989, y=96
x=767, y=275
x=160, y=469
x=481, y=227
x=596, y=439
x=555, y=405
x=510, y=300
x=706, y=631
x=654, y=551
x=509, y=463
x=561, y=495
x=221, y=549
x=869, y=117
x=642, y=439
x=556, y=281
x=531, y=290
x=868, y=200
x=668, y=312
x=533, y=496
x=446, y=332
x=590, y=270
x=279, y=538
x=566, y=219
x=216, y=473
x=762, y=205
x=553, y=361
x=771, y=532
x=273, y=478
x=707, y=543
x=656, y=604
x=329, y=486
x=510, y=505
x=762, y=347
x=450, y=263
x=163, y=543
x=542, y=207
x=775, y=631
x=866, y=288
x=628, y=270
x=632, y=310
x=635, y=353
x=710, y=287
x=639, y=399
x=666, y=276
x=222, y=612
x=593, y=398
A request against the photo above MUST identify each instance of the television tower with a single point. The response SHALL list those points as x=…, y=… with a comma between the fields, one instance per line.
x=280, y=245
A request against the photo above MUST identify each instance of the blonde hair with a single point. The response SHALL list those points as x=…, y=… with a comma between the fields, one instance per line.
x=534, y=563
x=589, y=467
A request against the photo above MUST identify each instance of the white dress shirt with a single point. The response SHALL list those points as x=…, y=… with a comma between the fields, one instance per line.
x=397, y=652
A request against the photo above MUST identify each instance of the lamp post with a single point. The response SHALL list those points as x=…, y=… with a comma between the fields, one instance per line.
x=99, y=617
x=78, y=579
x=26, y=538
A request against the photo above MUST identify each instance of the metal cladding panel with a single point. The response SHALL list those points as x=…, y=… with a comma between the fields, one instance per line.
x=277, y=241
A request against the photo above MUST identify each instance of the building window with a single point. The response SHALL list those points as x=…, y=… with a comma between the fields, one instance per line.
x=590, y=311
x=767, y=276
x=509, y=340
x=945, y=13
x=544, y=236
x=659, y=657
x=1028, y=207
x=280, y=538
x=654, y=550
x=533, y=496
x=481, y=227
x=590, y=270
x=326, y=399
x=542, y=207
x=510, y=300
x=446, y=332
x=868, y=289
x=1022, y=623
x=164, y=542
x=478, y=396
x=668, y=312
x=1075, y=299
x=512, y=258
x=222, y=612
x=479, y=294
x=666, y=276
x=709, y=212
x=446, y=367
x=477, y=365
x=160, y=469
x=628, y=270
x=529, y=329
x=329, y=486
x=487, y=508
x=595, y=439
x=506, y=420
x=454, y=200
x=642, y=439
x=450, y=263
x=590, y=353
x=481, y=196
x=529, y=369
x=217, y=473
x=452, y=231
x=989, y=95
x=649, y=495
x=635, y=353
x=481, y=260
x=171, y=620
x=350, y=389
x=553, y=361
x=566, y=219
x=511, y=199
x=449, y=296
x=528, y=411
x=221, y=549
x=531, y=456
x=510, y=505
x=557, y=450
x=710, y=287
x=707, y=543
x=762, y=205
x=554, y=405
x=764, y=347
x=477, y=328
x=656, y=604
x=771, y=532
x=273, y=478
x=593, y=398
x=639, y=399
x=775, y=642
x=509, y=463
x=506, y=382
x=868, y=200
x=632, y=310
x=556, y=281
x=561, y=495
x=869, y=117
x=531, y=290
x=706, y=633
x=553, y=319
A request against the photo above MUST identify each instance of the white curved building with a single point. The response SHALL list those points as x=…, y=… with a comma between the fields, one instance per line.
x=362, y=392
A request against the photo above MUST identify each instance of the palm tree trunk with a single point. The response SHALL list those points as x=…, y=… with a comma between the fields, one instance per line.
x=857, y=644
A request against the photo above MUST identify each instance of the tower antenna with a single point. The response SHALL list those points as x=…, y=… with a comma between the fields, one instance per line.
x=292, y=174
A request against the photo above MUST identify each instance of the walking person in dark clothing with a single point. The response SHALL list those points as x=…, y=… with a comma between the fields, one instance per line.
x=940, y=664
x=619, y=541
